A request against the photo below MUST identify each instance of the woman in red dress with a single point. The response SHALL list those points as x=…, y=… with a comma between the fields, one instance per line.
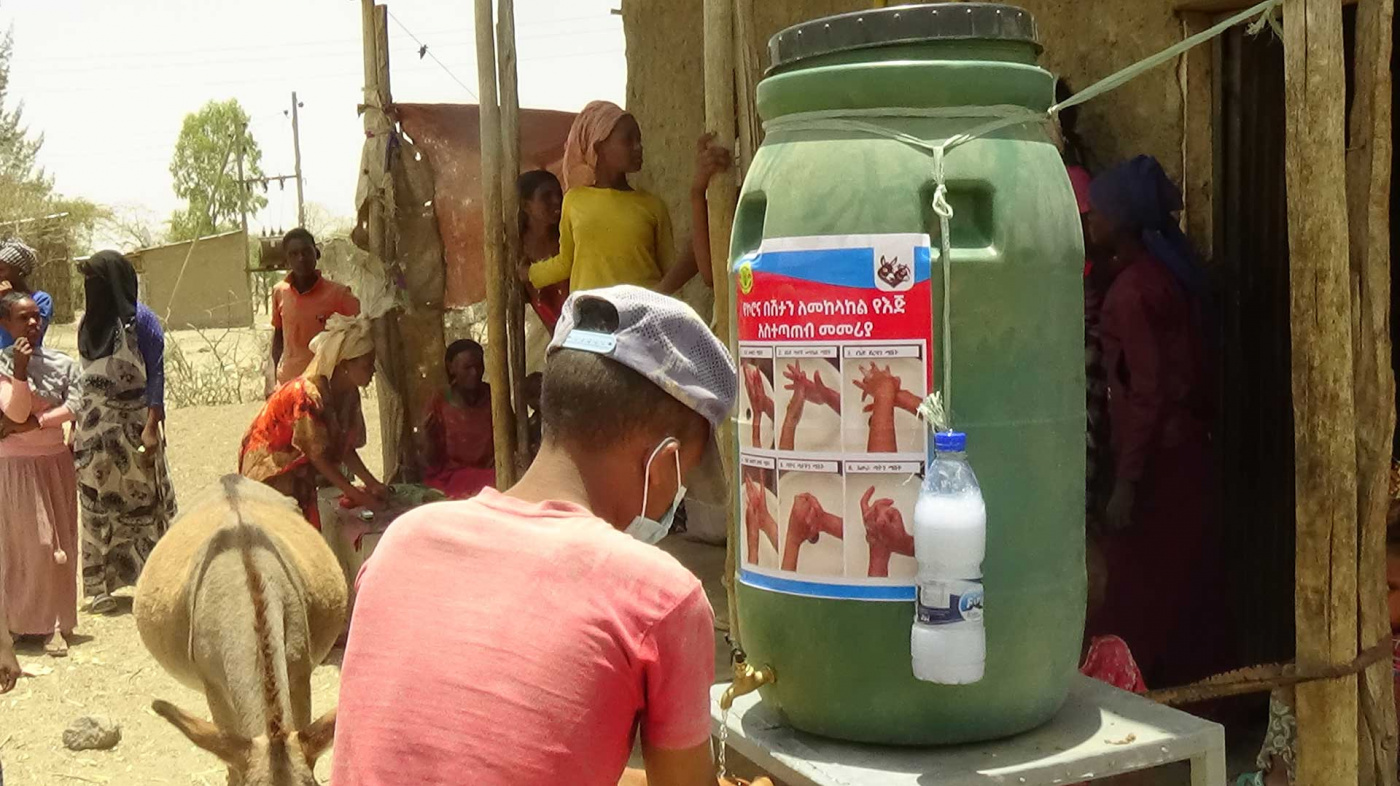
x=307, y=434
x=458, y=442
x=1162, y=543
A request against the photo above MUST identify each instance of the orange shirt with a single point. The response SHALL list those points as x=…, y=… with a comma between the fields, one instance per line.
x=302, y=316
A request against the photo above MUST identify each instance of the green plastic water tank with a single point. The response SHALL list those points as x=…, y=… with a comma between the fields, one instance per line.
x=838, y=285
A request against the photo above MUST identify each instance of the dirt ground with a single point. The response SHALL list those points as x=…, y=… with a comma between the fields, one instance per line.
x=109, y=672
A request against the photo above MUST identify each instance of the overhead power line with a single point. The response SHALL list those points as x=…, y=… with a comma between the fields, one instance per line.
x=526, y=30
x=424, y=50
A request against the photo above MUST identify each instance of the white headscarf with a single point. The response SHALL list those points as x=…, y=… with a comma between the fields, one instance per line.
x=345, y=338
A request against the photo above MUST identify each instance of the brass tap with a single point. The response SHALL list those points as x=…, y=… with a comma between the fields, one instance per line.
x=747, y=679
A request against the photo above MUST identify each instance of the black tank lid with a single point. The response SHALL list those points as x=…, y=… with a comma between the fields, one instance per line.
x=946, y=21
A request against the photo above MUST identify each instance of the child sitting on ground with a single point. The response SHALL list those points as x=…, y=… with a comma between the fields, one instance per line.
x=457, y=440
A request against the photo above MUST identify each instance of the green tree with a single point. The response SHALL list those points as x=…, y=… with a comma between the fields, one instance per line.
x=18, y=150
x=27, y=198
x=205, y=170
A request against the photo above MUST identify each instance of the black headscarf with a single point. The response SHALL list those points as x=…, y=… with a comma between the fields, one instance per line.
x=110, y=285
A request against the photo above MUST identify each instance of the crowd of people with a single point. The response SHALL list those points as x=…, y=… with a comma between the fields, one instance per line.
x=78, y=441
x=581, y=635
x=613, y=434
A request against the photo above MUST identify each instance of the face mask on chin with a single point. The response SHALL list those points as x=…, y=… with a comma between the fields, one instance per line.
x=651, y=531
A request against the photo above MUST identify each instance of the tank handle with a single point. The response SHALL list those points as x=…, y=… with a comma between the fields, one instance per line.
x=749, y=218
x=999, y=117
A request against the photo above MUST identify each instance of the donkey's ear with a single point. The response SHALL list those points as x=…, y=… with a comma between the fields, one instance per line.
x=233, y=750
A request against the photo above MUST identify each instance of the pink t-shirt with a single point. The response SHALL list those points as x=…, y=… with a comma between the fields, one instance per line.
x=497, y=641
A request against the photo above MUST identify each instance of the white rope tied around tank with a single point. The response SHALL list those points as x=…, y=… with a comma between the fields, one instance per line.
x=937, y=409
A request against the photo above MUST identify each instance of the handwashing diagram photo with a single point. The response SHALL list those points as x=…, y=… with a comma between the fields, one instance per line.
x=756, y=404
x=883, y=395
x=810, y=506
x=758, y=511
x=880, y=524
x=808, y=410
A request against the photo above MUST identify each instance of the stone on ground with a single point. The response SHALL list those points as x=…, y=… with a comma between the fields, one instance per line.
x=92, y=732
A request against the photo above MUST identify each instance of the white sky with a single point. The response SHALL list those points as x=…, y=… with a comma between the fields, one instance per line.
x=108, y=82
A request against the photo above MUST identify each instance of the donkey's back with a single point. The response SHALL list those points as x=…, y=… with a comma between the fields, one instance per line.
x=185, y=577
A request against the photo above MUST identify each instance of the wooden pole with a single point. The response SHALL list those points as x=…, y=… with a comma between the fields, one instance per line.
x=747, y=72
x=389, y=381
x=510, y=211
x=1323, y=401
x=497, y=362
x=1369, y=157
x=723, y=193
x=374, y=121
x=395, y=422
x=296, y=152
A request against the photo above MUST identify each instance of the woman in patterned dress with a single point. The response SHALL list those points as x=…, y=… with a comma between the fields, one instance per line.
x=124, y=486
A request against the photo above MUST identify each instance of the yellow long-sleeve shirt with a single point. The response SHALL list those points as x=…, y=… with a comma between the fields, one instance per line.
x=608, y=237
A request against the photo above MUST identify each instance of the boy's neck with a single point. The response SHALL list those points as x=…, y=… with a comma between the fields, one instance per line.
x=304, y=285
x=552, y=477
x=555, y=476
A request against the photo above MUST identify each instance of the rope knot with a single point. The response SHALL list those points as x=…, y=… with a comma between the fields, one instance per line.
x=941, y=207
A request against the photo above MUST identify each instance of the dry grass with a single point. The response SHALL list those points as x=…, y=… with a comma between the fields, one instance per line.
x=203, y=368
x=221, y=369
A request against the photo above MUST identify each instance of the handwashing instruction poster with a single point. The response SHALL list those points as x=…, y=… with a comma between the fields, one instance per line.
x=834, y=359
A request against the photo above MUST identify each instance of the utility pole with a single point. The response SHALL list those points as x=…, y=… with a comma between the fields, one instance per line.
x=296, y=148
x=243, y=198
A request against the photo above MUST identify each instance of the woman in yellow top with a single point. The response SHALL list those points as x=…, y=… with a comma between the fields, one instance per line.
x=609, y=232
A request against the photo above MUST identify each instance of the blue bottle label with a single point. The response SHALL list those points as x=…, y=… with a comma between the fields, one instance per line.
x=948, y=602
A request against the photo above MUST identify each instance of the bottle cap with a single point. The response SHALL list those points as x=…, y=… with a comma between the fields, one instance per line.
x=950, y=442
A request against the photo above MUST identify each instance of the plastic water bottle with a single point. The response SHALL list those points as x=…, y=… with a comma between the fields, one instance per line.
x=948, y=642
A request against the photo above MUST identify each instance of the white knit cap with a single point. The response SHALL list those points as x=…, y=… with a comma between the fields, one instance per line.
x=656, y=336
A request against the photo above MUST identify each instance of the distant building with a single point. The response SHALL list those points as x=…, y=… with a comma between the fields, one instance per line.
x=210, y=291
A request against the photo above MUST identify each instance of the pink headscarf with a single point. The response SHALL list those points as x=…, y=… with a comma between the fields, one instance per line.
x=594, y=124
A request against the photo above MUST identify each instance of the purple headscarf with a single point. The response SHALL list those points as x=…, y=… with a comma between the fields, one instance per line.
x=1138, y=194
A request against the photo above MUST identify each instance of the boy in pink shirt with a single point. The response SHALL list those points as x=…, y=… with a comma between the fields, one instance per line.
x=527, y=637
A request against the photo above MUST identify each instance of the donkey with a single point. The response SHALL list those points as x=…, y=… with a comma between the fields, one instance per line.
x=241, y=599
